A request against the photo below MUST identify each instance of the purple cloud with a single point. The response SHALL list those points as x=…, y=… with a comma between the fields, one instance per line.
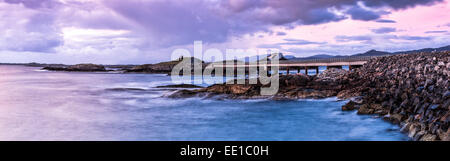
x=399, y=4
x=343, y=38
x=384, y=30
x=359, y=13
x=35, y=4
x=281, y=33
x=413, y=38
x=297, y=42
x=385, y=21
x=436, y=32
x=182, y=22
x=38, y=25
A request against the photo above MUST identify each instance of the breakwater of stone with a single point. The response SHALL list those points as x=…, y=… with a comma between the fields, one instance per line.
x=410, y=90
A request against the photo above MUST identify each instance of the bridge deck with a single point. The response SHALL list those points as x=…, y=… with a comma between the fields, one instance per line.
x=345, y=61
x=284, y=64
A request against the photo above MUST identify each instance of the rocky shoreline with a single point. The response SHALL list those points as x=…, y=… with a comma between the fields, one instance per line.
x=410, y=90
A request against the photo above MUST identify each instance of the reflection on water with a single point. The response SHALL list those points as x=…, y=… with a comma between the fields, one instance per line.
x=42, y=105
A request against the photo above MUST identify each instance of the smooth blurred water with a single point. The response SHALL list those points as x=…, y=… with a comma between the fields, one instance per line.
x=43, y=105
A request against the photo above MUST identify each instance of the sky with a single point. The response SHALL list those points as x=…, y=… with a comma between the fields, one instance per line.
x=148, y=31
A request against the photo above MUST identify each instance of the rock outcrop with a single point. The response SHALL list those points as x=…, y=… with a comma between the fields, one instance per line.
x=290, y=87
x=164, y=67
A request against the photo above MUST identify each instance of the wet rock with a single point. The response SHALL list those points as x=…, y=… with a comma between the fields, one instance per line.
x=419, y=135
x=349, y=106
x=180, y=86
x=332, y=74
x=239, y=89
x=184, y=94
x=444, y=136
x=365, y=109
x=446, y=95
x=394, y=118
x=428, y=137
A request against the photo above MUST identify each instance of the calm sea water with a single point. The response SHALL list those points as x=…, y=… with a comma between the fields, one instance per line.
x=43, y=105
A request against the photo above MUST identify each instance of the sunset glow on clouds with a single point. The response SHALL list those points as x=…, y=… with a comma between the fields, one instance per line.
x=147, y=31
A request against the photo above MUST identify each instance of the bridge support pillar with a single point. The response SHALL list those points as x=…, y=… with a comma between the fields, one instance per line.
x=337, y=67
x=306, y=70
x=317, y=70
x=287, y=70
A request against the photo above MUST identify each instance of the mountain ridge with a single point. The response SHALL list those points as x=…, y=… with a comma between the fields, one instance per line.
x=374, y=52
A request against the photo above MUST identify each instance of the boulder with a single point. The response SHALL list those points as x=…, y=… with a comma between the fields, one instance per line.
x=428, y=137
x=365, y=109
x=350, y=106
x=332, y=74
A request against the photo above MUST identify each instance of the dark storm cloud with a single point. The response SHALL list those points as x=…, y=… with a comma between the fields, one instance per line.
x=358, y=13
x=384, y=30
x=399, y=4
x=182, y=22
x=174, y=23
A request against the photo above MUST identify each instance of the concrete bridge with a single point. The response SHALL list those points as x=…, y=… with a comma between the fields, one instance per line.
x=305, y=64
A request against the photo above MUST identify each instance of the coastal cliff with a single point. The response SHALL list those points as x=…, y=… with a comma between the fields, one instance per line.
x=411, y=90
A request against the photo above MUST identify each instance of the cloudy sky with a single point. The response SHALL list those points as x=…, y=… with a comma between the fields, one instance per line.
x=147, y=31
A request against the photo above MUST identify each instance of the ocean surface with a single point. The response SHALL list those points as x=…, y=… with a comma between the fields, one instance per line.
x=44, y=105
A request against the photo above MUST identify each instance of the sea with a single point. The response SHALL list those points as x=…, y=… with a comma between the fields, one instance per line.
x=45, y=105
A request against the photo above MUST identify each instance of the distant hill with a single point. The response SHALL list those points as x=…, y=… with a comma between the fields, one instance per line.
x=288, y=56
x=374, y=53
x=445, y=48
